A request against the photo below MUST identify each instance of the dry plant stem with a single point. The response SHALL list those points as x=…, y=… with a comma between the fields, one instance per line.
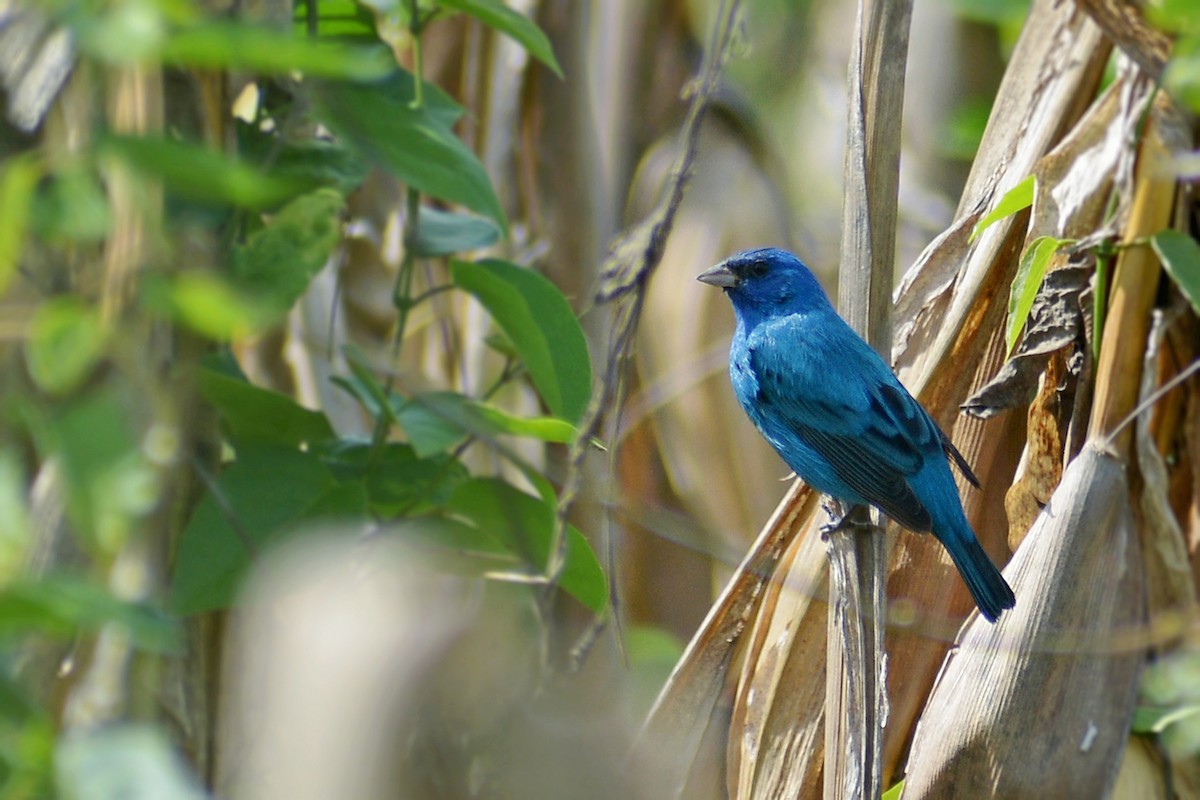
x=626, y=274
x=856, y=697
x=1122, y=22
x=1135, y=282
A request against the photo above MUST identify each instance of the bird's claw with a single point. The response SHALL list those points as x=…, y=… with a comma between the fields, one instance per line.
x=840, y=518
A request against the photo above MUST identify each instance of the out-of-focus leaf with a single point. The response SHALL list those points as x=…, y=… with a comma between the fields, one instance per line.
x=1026, y=284
x=15, y=532
x=18, y=179
x=109, y=483
x=277, y=262
x=416, y=144
x=123, y=762
x=64, y=605
x=397, y=480
x=204, y=175
x=1182, y=77
x=207, y=303
x=443, y=233
x=536, y=317
x=317, y=162
x=1015, y=199
x=495, y=14
x=337, y=19
x=1180, y=256
x=1175, y=16
x=266, y=492
x=526, y=524
x=252, y=414
x=230, y=45
x=71, y=207
x=66, y=339
x=123, y=33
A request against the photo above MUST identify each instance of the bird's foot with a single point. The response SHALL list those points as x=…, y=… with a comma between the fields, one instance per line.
x=841, y=518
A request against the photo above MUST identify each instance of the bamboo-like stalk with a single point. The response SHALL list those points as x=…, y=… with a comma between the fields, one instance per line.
x=856, y=696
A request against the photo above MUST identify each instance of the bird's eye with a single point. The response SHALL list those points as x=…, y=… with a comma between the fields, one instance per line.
x=756, y=269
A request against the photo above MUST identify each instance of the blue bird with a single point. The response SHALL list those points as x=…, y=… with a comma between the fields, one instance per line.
x=836, y=413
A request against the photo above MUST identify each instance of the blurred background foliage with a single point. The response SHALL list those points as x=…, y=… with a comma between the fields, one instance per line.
x=274, y=274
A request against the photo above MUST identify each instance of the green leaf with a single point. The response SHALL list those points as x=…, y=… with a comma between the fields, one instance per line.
x=526, y=524
x=253, y=48
x=495, y=14
x=207, y=303
x=341, y=19
x=436, y=421
x=72, y=207
x=264, y=494
x=1015, y=199
x=364, y=386
x=1025, y=285
x=312, y=162
x=18, y=179
x=1182, y=76
x=442, y=233
x=397, y=481
x=66, y=339
x=894, y=792
x=277, y=262
x=1180, y=256
x=464, y=549
x=415, y=144
x=536, y=317
x=203, y=175
x=254, y=415
x=65, y=605
x=109, y=483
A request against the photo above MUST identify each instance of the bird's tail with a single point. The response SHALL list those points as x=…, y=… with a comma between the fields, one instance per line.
x=991, y=592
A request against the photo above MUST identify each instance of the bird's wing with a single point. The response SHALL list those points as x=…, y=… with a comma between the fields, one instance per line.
x=849, y=408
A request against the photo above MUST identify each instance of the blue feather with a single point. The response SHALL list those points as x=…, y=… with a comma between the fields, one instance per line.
x=836, y=413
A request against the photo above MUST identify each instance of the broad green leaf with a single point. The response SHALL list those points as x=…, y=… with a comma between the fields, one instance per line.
x=65, y=605
x=536, y=317
x=526, y=524
x=415, y=144
x=495, y=14
x=1180, y=256
x=230, y=45
x=66, y=339
x=397, y=480
x=252, y=414
x=206, y=303
x=203, y=175
x=1015, y=199
x=123, y=761
x=443, y=233
x=18, y=180
x=277, y=262
x=456, y=546
x=266, y=492
x=1025, y=285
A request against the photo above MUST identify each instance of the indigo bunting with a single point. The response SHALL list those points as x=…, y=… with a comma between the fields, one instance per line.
x=839, y=417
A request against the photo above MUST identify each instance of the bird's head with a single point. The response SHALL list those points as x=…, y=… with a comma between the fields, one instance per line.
x=766, y=282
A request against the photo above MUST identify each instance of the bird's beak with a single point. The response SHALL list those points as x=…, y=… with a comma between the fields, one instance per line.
x=720, y=275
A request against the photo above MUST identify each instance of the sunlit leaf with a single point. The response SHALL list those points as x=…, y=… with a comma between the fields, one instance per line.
x=18, y=179
x=1180, y=256
x=536, y=317
x=254, y=48
x=1028, y=280
x=66, y=339
x=277, y=262
x=201, y=174
x=526, y=524
x=207, y=303
x=1015, y=199
x=495, y=14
